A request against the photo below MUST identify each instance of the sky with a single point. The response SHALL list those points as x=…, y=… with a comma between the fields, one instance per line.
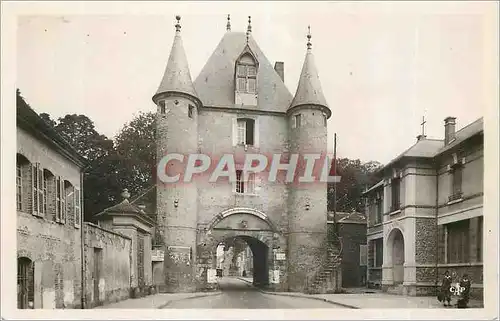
x=382, y=65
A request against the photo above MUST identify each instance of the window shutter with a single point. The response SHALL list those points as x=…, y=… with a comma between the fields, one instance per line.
x=235, y=131
x=62, y=203
x=41, y=198
x=256, y=133
x=77, y=212
x=34, y=192
x=57, y=198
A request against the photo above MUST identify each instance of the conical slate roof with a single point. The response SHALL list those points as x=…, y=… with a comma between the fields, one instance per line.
x=177, y=77
x=215, y=83
x=309, y=90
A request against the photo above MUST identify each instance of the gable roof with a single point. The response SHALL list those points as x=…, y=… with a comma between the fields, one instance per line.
x=215, y=83
x=125, y=208
x=29, y=120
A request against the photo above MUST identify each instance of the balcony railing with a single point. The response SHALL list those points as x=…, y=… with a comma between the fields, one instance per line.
x=455, y=197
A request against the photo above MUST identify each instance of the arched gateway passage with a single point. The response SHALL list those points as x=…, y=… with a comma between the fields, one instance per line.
x=252, y=228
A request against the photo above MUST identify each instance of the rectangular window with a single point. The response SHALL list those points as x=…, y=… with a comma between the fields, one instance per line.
x=456, y=192
x=240, y=184
x=78, y=212
x=190, y=111
x=379, y=210
x=242, y=125
x=69, y=197
x=363, y=255
x=58, y=199
x=162, y=107
x=252, y=85
x=379, y=252
x=296, y=121
x=325, y=120
x=458, y=242
x=479, y=246
x=19, y=188
x=242, y=84
x=396, y=191
x=41, y=197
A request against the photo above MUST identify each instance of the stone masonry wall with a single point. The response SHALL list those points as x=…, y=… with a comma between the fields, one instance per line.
x=113, y=281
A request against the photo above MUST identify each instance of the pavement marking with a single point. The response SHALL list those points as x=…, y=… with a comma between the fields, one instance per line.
x=302, y=296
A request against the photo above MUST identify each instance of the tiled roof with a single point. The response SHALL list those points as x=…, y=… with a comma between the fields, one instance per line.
x=215, y=83
x=125, y=207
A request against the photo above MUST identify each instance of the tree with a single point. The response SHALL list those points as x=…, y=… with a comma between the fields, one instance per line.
x=355, y=177
x=135, y=146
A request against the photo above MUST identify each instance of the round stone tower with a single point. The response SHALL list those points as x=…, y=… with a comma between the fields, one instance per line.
x=307, y=202
x=177, y=132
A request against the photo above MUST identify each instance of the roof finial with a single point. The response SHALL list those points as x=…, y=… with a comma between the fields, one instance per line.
x=178, y=24
x=228, y=26
x=249, y=29
x=125, y=194
x=309, y=44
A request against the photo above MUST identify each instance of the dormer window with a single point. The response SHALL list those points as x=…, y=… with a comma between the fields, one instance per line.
x=246, y=74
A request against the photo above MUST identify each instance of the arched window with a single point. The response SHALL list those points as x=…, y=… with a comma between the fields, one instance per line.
x=23, y=182
x=246, y=74
x=25, y=283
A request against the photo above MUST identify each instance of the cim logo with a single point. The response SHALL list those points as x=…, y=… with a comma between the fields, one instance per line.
x=457, y=289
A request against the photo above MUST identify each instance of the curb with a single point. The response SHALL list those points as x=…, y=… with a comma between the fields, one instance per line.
x=303, y=297
x=188, y=298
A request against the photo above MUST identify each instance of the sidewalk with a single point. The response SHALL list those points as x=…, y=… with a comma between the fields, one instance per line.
x=377, y=300
x=156, y=301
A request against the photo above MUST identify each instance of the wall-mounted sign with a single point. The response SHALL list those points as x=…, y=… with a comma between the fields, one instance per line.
x=157, y=255
x=280, y=256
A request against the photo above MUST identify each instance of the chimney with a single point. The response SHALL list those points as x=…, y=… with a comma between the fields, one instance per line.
x=449, y=129
x=279, y=66
x=421, y=137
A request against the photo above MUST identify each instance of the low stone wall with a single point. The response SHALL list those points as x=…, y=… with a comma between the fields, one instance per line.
x=107, y=265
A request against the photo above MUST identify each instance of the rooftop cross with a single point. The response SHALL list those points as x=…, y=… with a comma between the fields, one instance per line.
x=423, y=125
x=228, y=26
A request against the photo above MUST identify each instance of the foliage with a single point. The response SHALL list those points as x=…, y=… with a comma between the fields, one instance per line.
x=355, y=177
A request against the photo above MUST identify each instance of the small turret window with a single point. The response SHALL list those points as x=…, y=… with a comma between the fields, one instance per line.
x=297, y=121
x=162, y=107
x=190, y=111
x=246, y=75
x=324, y=119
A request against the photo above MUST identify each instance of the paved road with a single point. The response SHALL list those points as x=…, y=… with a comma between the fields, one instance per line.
x=237, y=294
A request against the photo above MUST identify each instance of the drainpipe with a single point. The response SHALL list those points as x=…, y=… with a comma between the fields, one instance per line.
x=82, y=250
x=437, y=230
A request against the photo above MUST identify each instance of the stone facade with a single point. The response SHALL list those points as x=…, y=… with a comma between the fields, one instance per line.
x=239, y=105
x=51, y=238
x=107, y=265
x=48, y=199
x=430, y=213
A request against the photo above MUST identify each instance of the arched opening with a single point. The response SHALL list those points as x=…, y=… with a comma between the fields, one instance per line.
x=25, y=283
x=397, y=250
x=243, y=256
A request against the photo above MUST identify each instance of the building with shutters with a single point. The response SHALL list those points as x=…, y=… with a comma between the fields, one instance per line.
x=49, y=215
x=425, y=216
